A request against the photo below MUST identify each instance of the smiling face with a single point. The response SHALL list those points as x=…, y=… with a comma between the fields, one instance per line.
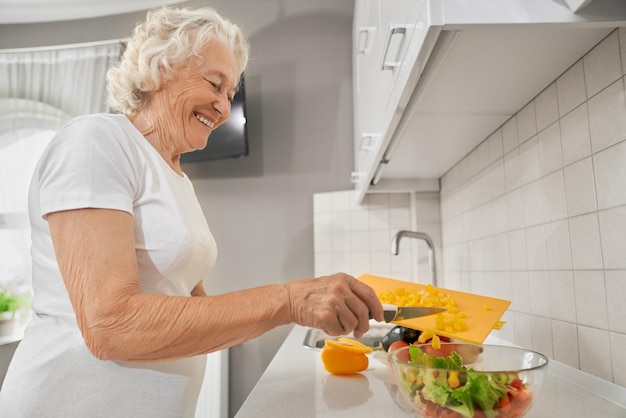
x=180, y=116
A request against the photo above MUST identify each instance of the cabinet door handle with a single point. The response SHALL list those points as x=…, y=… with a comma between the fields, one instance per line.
x=393, y=30
x=368, y=141
x=356, y=176
x=368, y=32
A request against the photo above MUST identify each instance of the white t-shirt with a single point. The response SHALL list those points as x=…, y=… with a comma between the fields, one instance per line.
x=102, y=161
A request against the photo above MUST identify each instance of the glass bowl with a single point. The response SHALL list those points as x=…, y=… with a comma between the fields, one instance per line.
x=461, y=380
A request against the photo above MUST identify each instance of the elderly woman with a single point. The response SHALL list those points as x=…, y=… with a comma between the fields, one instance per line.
x=120, y=243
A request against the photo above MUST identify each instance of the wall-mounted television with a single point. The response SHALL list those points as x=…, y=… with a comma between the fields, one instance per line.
x=229, y=140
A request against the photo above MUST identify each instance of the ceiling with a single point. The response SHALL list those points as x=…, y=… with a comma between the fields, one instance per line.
x=32, y=11
x=40, y=23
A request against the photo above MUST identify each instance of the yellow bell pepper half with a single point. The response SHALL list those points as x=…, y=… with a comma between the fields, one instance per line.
x=345, y=356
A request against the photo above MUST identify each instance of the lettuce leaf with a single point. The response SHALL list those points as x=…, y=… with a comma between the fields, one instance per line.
x=453, y=361
x=436, y=389
x=465, y=405
x=477, y=392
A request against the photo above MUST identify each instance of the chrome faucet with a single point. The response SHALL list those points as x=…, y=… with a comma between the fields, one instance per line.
x=395, y=249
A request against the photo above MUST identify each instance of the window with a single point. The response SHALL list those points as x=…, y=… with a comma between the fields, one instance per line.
x=26, y=127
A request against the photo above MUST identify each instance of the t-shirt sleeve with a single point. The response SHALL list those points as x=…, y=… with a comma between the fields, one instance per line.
x=87, y=165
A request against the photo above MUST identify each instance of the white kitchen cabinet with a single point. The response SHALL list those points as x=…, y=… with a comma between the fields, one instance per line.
x=365, y=30
x=459, y=70
x=382, y=33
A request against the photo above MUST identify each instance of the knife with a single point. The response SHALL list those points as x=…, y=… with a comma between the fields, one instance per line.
x=399, y=313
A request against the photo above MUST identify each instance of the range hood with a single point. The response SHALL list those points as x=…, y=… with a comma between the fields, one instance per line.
x=482, y=62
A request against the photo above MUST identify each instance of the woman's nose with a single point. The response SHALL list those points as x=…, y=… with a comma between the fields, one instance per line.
x=222, y=105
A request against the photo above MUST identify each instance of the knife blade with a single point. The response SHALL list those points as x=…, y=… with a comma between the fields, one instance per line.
x=399, y=313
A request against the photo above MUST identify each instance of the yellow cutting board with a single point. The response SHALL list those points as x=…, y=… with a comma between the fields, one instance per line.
x=479, y=321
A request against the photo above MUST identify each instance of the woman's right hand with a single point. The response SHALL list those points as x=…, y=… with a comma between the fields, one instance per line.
x=337, y=304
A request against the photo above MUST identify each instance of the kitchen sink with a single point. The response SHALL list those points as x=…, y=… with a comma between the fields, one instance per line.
x=314, y=338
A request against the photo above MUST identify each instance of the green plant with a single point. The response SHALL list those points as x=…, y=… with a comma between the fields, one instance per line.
x=12, y=302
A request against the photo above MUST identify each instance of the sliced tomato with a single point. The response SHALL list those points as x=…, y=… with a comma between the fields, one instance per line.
x=444, y=351
x=447, y=413
x=517, y=384
x=403, y=356
x=504, y=405
x=432, y=410
x=520, y=402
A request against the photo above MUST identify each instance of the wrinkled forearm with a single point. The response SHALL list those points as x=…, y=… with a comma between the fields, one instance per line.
x=148, y=327
x=95, y=251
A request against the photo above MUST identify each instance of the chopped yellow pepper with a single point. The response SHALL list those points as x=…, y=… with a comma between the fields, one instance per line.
x=453, y=379
x=436, y=342
x=451, y=321
x=350, y=345
x=499, y=325
x=425, y=336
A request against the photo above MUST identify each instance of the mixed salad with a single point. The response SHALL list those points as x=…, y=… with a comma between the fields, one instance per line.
x=458, y=392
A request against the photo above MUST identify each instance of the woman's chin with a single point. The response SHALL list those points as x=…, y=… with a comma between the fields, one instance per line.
x=198, y=145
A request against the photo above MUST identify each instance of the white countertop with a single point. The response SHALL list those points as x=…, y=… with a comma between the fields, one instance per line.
x=295, y=384
x=15, y=336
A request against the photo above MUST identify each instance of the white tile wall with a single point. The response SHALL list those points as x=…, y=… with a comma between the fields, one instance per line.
x=618, y=358
x=590, y=293
x=535, y=214
x=356, y=237
x=565, y=340
x=602, y=65
x=550, y=221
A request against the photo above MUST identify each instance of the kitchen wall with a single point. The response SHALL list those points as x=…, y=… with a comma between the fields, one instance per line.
x=356, y=237
x=259, y=208
x=537, y=214
x=299, y=91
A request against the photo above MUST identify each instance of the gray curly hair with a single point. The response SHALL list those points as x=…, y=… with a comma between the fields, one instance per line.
x=168, y=38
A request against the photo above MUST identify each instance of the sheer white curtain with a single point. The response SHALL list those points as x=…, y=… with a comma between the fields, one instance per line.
x=40, y=90
x=26, y=127
x=70, y=77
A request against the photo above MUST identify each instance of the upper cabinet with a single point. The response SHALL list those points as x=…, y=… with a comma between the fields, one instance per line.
x=382, y=35
x=433, y=78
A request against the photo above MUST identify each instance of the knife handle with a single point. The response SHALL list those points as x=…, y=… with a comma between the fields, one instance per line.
x=389, y=312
